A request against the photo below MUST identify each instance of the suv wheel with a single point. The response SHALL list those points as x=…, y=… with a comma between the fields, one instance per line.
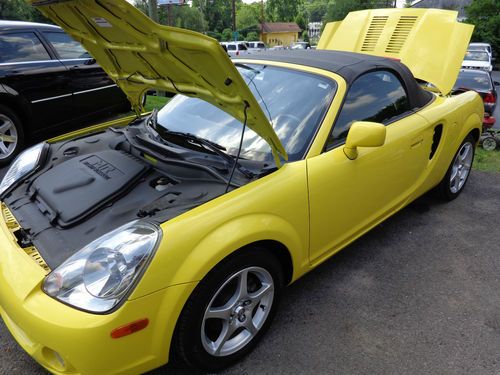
x=11, y=135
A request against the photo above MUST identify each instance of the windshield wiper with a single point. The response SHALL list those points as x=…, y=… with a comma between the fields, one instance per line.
x=211, y=146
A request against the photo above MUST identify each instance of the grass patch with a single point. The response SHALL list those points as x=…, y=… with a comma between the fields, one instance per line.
x=153, y=102
x=488, y=161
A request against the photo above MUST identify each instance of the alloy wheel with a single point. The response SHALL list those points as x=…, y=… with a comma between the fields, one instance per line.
x=8, y=137
x=237, y=311
x=461, y=167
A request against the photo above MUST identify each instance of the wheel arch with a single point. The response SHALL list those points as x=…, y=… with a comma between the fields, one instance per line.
x=16, y=105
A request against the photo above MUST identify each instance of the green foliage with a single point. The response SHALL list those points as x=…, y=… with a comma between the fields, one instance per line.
x=184, y=17
x=305, y=36
x=485, y=15
x=217, y=13
x=214, y=35
x=338, y=9
x=316, y=10
x=20, y=10
x=301, y=21
x=282, y=10
x=247, y=15
x=227, y=35
x=252, y=36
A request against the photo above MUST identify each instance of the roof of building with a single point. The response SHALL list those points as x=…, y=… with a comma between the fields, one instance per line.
x=348, y=65
x=280, y=27
x=9, y=25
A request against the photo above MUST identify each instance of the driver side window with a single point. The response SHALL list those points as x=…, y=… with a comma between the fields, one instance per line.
x=376, y=96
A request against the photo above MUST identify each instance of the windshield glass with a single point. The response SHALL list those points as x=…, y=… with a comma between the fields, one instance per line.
x=295, y=102
x=473, y=80
x=477, y=56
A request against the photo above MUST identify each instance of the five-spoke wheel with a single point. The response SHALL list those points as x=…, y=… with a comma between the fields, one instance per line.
x=11, y=135
x=229, y=310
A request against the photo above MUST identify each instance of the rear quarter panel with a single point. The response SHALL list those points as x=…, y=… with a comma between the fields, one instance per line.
x=460, y=115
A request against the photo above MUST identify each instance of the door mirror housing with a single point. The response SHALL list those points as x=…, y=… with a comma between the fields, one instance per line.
x=363, y=134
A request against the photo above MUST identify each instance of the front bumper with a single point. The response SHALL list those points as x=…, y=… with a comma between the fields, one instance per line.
x=68, y=341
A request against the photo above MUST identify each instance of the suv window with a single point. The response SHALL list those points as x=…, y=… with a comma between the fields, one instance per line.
x=22, y=46
x=375, y=96
x=66, y=47
x=231, y=47
x=242, y=47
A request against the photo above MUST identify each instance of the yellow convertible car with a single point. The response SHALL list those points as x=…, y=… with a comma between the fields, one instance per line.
x=171, y=235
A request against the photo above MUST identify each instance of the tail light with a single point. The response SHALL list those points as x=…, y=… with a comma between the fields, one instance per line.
x=489, y=99
x=237, y=53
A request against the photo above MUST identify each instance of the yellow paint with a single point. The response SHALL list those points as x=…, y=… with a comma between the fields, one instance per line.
x=279, y=39
x=139, y=55
x=313, y=207
x=364, y=134
x=431, y=42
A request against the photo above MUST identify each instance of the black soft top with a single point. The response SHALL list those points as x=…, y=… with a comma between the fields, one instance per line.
x=348, y=65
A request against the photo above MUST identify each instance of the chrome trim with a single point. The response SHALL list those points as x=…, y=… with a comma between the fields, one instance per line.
x=96, y=89
x=28, y=62
x=51, y=98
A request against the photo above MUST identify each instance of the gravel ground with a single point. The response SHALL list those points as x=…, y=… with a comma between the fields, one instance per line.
x=419, y=294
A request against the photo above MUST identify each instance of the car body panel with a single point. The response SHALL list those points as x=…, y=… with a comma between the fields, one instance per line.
x=442, y=41
x=141, y=55
x=293, y=208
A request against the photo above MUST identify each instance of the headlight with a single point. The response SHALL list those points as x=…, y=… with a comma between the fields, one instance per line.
x=101, y=274
x=25, y=163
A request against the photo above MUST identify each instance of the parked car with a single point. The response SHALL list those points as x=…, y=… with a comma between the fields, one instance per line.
x=256, y=46
x=477, y=60
x=481, y=47
x=174, y=234
x=48, y=80
x=236, y=48
x=481, y=82
x=300, y=45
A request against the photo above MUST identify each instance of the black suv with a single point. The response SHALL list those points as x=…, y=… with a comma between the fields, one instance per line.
x=48, y=80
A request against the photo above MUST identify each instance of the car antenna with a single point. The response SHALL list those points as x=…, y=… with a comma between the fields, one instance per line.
x=239, y=148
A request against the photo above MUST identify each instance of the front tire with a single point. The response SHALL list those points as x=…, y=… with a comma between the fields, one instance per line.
x=458, y=173
x=11, y=135
x=229, y=311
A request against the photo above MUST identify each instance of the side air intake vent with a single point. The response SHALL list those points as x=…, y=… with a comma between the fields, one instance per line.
x=373, y=34
x=400, y=33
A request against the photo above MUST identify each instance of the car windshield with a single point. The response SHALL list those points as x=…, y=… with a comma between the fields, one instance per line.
x=295, y=102
x=476, y=56
x=473, y=80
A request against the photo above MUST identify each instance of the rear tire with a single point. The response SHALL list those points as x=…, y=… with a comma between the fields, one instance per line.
x=458, y=173
x=11, y=135
x=223, y=321
x=489, y=144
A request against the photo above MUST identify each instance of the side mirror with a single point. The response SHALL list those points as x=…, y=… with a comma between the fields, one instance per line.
x=363, y=134
x=496, y=83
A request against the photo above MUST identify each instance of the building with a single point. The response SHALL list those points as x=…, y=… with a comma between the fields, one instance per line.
x=314, y=29
x=279, y=33
x=458, y=5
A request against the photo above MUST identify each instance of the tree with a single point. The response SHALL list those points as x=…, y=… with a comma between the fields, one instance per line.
x=227, y=35
x=247, y=15
x=252, y=36
x=282, y=10
x=485, y=15
x=305, y=36
x=20, y=10
x=217, y=13
x=301, y=21
x=338, y=9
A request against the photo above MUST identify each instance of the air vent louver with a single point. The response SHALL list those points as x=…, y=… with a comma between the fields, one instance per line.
x=400, y=33
x=377, y=24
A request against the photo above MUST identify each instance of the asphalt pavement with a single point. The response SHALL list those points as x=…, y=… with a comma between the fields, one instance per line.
x=419, y=294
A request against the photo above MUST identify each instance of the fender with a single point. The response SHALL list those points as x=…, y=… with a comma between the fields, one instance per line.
x=227, y=239
x=16, y=102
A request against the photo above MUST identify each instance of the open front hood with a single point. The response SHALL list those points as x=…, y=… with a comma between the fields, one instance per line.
x=140, y=55
x=430, y=42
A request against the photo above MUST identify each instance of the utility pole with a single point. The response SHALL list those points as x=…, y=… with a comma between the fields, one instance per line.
x=234, y=15
x=153, y=10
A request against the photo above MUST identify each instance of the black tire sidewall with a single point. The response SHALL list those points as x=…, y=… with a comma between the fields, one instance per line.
x=187, y=338
x=444, y=186
x=6, y=111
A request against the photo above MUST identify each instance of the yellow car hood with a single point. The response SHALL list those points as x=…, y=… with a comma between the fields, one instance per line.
x=430, y=42
x=140, y=55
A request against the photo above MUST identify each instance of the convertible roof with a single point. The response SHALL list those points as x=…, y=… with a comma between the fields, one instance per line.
x=348, y=65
